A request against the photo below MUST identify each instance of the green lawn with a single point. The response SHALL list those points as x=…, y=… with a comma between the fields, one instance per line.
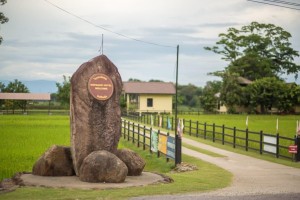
x=24, y=138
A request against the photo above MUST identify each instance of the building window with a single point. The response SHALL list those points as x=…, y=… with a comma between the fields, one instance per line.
x=149, y=102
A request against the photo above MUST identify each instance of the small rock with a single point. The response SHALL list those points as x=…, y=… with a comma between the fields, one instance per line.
x=56, y=161
x=133, y=161
x=184, y=167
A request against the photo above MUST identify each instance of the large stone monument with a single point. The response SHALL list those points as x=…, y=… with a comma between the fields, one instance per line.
x=96, y=87
x=95, y=122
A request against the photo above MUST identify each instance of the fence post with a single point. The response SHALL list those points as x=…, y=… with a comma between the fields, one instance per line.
x=133, y=125
x=223, y=134
x=261, y=142
x=190, y=127
x=138, y=144
x=128, y=131
x=167, y=141
x=214, y=127
x=247, y=136
x=197, y=129
x=234, y=136
x=124, y=131
x=150, y=140
x=172, y=128
x=144, y=138
x=204, y=130
x=277, y=145
x=158, y=152
x=297, y=142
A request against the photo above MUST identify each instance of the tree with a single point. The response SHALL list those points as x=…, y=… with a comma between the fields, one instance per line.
x=134, y=80
x=208, y=99
x=271, y=92
x=257, y=50
x=3, y=19
x=16, y=87
x=288, y=98
x=189, y=94
x=63, y=93
x=2, y=88
x=232, y=93
x=155, y=80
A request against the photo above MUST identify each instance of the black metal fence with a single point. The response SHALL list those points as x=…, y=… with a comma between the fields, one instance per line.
x=141, y=136
x=261, y=142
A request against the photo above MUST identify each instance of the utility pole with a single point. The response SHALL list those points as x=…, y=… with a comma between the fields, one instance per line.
x=177, y=137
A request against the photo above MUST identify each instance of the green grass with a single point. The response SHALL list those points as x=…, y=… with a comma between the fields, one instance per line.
x=200, y=150
x=25, y=138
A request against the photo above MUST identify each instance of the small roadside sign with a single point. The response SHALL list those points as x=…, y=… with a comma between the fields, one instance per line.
x=293, y=149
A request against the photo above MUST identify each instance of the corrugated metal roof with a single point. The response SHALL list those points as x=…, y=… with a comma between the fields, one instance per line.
x=148, y=88
x=25, y=96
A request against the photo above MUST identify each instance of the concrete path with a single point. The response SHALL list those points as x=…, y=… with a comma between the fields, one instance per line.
x=251, y=175
x=253, y=178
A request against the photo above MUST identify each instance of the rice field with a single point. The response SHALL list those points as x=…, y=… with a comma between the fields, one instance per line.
x=23, y=139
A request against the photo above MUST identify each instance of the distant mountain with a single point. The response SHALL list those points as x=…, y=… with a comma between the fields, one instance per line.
x=38, y=86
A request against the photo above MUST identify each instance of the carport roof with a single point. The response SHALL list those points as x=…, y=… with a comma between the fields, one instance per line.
x=26, y=96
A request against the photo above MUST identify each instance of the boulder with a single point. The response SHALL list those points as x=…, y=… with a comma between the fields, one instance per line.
x=56, y=161
x=133, y=161
x=103, y=166
x=95, y=118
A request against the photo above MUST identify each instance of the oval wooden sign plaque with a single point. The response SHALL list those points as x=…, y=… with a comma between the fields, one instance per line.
x=100, y=87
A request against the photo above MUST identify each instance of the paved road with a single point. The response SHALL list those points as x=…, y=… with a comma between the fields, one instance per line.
x=253, y=178
x=293, y=196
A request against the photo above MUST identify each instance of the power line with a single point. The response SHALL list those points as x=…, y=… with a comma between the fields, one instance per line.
x=284, y=2
x=273, y=4
x=106, y=29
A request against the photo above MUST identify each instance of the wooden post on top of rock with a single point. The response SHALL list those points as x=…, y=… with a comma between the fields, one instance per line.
x=95, y=120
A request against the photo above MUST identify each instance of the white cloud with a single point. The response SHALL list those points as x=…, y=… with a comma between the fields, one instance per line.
x=43, y=42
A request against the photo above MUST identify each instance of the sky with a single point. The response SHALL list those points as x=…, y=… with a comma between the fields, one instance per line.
x=42, y=42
